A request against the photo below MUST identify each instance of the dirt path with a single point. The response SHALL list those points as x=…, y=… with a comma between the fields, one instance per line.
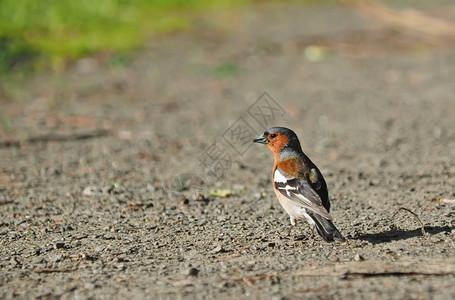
x=92, y=164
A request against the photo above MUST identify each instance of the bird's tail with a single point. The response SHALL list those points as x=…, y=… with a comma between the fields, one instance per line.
x=326, y=229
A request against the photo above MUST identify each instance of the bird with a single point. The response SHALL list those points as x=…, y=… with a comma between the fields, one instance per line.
x=299, y=184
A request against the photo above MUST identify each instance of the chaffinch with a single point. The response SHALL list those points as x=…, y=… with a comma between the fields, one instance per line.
x=298, y=183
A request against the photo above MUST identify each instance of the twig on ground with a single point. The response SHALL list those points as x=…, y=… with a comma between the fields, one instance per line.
x=51, y=270
x=395, y=273
x=443, y=267
x=55, y=138
x=415, y=215
x=448, y=201
x=250, y=280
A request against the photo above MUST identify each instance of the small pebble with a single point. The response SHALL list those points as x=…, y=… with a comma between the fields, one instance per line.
x=193, y=272
x=218, y=249
x=258, y=196
x=90, y=191
x=57, y=257
x=59, y=245
x=358, y=257
x=99, y=248
x=89, y=286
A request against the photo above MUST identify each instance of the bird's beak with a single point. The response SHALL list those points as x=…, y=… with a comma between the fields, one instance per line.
x=261, y=139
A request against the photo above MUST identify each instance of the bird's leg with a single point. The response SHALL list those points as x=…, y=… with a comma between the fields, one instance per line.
x=288, y=233
x=289, y=230
x=312, y=232
x=312, y=235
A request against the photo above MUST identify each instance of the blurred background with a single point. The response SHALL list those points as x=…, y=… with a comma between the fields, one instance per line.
x=52, y=34
x=139, y=67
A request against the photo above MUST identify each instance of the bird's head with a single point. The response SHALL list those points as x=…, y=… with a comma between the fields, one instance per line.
x=279, y=138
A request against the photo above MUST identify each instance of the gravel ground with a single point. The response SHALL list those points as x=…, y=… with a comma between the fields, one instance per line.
x=112, y=175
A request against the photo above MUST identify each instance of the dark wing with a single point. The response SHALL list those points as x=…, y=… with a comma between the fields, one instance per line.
x=301, y=192
x=317, y=182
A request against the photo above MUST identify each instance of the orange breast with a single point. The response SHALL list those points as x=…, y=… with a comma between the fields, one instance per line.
x=291, y=166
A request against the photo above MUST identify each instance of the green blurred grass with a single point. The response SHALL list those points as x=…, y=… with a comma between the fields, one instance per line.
x=38, y=34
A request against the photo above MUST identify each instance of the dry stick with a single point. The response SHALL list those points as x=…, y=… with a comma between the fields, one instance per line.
x=74, y=204
x=415, y=215
x=55, y=138
x=6, y=202
x=447, y=201
x=250, y=283
x=50, y=270
x=377, y=269
x=373, y=274
x=398, y=273
x=250, y=280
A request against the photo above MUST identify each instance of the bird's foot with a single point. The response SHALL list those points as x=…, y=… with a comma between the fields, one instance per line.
x=312, y=240
x=287, y=235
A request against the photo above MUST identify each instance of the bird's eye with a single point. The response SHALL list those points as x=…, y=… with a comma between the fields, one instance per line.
x=273, y=135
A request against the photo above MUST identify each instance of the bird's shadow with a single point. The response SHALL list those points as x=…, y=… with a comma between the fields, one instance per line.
x=399, y=234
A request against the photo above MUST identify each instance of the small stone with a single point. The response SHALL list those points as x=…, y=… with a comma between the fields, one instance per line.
x=299, y=237
x=13, y=261
x=258, y=196
x=435, y=240
x=201, y=197
x=89, y=286
x=238, y=187
x=122, y=259
x=99, y=248
x=358, y=257
x=59, y=245
x=37, y=260
x=90, y=191
x=68, y=228
x=57, y=257
x=192, y=271
x=108, y=189
x=184, y=201
x=336, y=259
x=108, y=236
x=218, y=249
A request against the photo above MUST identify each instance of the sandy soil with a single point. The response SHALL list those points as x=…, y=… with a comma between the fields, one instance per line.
x=101, y=167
